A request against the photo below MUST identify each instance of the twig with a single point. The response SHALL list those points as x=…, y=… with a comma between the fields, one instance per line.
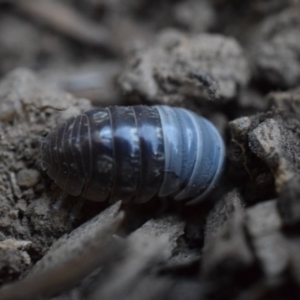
x=65, y=20
x=63, y=276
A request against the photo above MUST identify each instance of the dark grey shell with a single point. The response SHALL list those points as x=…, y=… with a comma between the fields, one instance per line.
x=135, y=153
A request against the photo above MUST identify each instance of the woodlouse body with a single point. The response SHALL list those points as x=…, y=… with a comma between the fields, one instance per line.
x=135, y=153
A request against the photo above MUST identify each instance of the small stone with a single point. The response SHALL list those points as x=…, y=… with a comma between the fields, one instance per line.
x=13, y=214
x=28, y=178
x=21, y=205
x=7, y=112
x=15, y=188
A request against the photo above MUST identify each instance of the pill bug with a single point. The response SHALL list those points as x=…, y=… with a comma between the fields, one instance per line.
x=135, y=153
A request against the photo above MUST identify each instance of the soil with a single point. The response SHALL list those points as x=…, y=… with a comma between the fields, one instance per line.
x=235, y=62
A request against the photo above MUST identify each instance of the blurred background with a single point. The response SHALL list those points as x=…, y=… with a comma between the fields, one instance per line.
x=82, y=46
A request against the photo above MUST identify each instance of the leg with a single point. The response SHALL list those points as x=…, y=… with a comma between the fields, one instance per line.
x=59, y=202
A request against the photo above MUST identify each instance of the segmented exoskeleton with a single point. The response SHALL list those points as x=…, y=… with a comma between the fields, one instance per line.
x=135, y=153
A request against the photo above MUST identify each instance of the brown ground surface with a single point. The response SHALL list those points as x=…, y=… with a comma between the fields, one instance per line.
x=235, y=62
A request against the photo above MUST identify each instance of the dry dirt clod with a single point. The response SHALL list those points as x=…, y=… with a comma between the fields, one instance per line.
x=264, y=225
x=26, y=212
x=276, y=49
x=177, y=68
x=273, y=137
x=227, y=254
x=197, y=16
x=28, y=178
x=14, y=260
